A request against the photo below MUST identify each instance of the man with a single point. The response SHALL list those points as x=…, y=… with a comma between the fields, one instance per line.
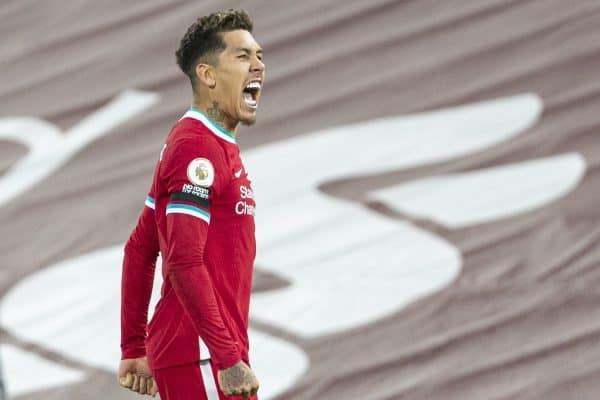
x=200, y=215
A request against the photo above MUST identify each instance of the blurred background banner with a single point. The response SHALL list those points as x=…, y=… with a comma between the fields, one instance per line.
x=427, y=187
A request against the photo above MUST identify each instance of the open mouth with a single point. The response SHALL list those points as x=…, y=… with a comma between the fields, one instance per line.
x=250, y=94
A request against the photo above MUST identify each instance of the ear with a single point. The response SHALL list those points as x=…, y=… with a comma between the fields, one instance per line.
x=205, y=73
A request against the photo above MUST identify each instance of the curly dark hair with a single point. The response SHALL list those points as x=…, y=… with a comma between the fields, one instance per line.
x=204, y=39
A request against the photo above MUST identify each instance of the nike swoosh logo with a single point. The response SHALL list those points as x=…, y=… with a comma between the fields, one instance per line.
x=239, y=173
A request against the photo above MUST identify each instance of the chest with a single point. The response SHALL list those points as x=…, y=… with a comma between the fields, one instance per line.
x=236, y=199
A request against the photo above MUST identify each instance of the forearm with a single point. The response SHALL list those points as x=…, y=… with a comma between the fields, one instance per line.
x=194, y=290
x=137, y=277
x=136, y=290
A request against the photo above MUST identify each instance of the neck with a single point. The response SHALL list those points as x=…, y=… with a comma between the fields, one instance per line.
x=213, y=110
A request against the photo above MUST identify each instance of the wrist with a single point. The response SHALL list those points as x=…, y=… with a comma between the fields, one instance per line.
x=227, y=363
x=132, y=353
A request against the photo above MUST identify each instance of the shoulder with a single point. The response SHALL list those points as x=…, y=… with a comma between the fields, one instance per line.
x=192, y=141
x=193, y=155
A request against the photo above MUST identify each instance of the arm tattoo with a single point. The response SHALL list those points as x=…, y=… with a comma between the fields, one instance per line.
x=216, y=113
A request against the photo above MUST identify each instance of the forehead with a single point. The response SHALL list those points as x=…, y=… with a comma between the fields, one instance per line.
x=240, y=39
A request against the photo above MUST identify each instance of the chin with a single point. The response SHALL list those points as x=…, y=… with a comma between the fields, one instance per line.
x=248, y=120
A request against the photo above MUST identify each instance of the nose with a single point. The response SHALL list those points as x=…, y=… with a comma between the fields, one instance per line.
x=257, y=65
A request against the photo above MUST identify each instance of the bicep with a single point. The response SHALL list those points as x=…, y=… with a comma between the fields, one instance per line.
x=144, y=237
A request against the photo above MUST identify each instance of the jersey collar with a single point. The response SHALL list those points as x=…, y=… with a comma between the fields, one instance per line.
x=215, y=128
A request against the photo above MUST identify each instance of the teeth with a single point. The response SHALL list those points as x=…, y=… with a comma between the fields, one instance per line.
x=253, y=85
x=250, y=101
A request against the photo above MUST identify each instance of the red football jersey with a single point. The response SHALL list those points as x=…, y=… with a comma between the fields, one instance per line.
x=200, y=215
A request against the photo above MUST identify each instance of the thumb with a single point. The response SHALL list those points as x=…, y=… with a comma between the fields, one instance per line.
x=127, y=380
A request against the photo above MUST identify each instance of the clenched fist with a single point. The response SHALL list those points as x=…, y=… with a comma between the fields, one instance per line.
x=238, y=380
x=135, y=375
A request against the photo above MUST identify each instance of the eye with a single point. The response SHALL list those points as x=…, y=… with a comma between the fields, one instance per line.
x=243, y=56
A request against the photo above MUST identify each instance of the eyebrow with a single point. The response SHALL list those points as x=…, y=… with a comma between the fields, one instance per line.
x=247, y=50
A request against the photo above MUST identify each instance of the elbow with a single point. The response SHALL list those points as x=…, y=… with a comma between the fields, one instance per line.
x=180, y=269
x=143, y=251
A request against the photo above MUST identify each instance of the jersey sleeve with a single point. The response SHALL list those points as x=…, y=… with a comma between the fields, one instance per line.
x=195, y=172
x=139, y=262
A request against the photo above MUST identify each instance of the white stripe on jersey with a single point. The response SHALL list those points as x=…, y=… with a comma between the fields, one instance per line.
x=209, y=382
